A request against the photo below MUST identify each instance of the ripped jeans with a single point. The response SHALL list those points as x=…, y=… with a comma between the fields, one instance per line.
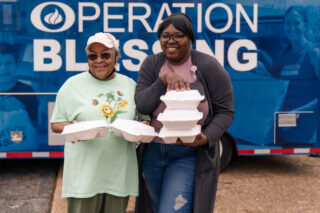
x=169, y=171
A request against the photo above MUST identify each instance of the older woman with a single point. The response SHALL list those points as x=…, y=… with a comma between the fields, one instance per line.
x=100, y=174
x=180, y=177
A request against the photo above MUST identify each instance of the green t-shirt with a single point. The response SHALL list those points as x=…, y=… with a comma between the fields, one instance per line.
x=102, y=165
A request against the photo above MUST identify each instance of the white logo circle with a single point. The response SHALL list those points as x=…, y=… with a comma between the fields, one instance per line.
x=52, y=18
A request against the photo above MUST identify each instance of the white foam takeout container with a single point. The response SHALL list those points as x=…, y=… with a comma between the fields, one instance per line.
x=86, y=130
x=180, y=119
x=133, y=131
x=182, y=99
x=187, y=136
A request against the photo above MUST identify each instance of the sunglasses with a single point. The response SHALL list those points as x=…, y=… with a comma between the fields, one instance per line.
x=103, y=56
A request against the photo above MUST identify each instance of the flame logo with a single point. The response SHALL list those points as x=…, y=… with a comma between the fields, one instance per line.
x=53, y=18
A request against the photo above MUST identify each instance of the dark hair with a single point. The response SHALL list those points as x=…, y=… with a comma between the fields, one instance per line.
x=8, y=49
x=300, y=10
x=180, y=21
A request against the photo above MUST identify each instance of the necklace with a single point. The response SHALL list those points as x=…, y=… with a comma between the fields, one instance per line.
x=169, y=65
x=193, y=69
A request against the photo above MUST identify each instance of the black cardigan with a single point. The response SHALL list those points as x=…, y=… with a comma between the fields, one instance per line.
x=219, y=93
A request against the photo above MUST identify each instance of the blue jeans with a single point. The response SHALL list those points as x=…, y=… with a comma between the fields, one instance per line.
x=169, y=173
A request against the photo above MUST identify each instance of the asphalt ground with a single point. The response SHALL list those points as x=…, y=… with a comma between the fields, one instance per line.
x=256, y=184
x=27, y=186
x=265, y=184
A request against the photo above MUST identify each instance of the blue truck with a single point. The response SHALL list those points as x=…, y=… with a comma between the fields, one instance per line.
x=269, y=48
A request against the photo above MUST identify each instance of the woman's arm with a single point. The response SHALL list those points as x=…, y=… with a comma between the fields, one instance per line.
x=58, y=127
x=220, y=91
x=149, y=86
x=59, y=118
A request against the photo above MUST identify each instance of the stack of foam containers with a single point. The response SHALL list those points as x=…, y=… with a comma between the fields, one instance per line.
x=180, y=117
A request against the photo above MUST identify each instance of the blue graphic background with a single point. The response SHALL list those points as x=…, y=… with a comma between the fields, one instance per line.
x=259, y=94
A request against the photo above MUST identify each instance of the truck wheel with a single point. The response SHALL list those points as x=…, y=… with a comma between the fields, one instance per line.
x=226, y=151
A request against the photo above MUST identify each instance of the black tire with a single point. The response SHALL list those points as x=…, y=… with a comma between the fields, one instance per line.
x=226, y=151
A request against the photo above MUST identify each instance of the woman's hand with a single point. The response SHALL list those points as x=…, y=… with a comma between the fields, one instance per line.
x=58, y=127
x=174, y=81
x=145, y=122
x=200, y=140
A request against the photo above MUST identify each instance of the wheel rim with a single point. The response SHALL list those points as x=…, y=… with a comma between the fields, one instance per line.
x=221, y=148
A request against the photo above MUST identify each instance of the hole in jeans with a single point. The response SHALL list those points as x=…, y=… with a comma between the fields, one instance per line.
x=180, y=201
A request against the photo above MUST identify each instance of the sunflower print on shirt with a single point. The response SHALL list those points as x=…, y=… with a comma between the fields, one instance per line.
x=112, y=104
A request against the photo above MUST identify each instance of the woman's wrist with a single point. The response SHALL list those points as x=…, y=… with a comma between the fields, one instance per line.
x=163, y=78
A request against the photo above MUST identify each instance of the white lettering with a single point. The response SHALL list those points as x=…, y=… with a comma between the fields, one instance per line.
x=203, y=46
x=208, y=13
x=141, y=18
x=253, y=25
x=39, y=55
x=107, y=17
x=87, y=18
x=241, y=54
x=133, y=53
x=199, y=23
x=233, y=56
x=71, y=64
x=166, y=8
x=183, y=6
x=156, y=47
